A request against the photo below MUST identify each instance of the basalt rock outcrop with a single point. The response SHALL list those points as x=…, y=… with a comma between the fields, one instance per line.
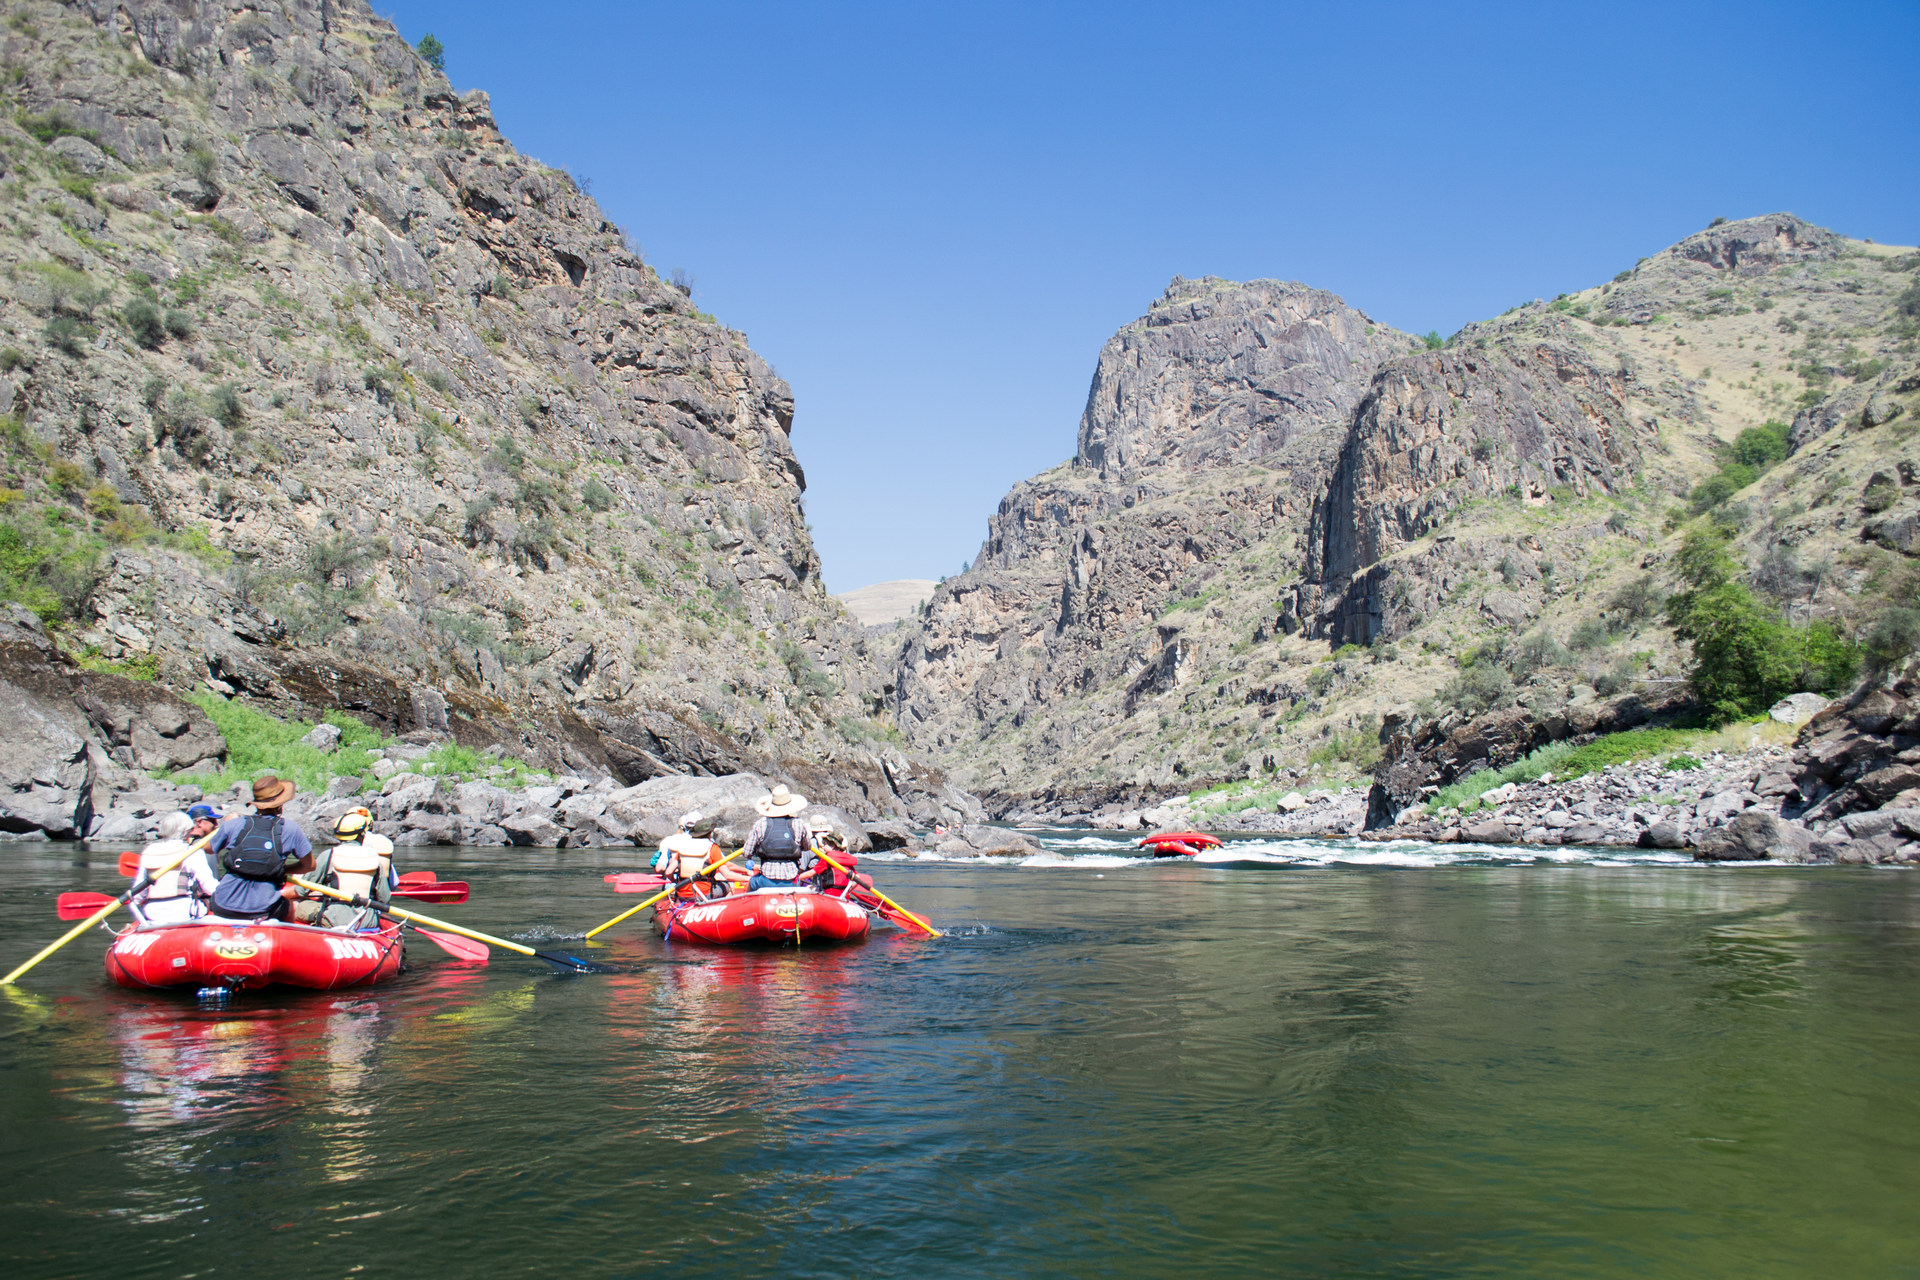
x=1863, y=753
x=321, y=395
x=1211, y=424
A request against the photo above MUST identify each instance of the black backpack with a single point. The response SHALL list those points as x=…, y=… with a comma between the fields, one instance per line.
x=259, y=853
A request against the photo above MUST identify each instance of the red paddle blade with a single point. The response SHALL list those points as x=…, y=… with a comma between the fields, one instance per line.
x=129, y=863
x=78, y=906
x=418, y=877
x=456, y=946
x=442, y=891
x=637, y=882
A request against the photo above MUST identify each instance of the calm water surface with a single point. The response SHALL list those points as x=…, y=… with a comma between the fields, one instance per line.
x=1261, y=1066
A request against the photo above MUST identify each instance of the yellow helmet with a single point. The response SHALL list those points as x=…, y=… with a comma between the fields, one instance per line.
x=352, y=824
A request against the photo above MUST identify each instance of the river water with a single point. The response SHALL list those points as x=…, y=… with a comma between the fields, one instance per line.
x=1304, y=1059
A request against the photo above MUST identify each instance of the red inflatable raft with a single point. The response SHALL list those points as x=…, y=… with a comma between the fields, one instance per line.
x=1179, y=844
x=798, y=916
x=239, y=953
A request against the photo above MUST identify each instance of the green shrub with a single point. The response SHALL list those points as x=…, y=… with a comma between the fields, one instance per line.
x=179, y=324
x=46, y=564
x=342, y=555
x=1744, y=658
x=1637, y=600
x=1615, y=679
x=1893, y=637
x=69, y=335
x=144, y=323
x=1480, y=687
x=224, y=402
x=1537, y=652
x=52, y=125
x=596, y=495
x=1681, y=763
x=1762, y=446
x=1433, y=340
x=1589, y=633
x=1717, y=488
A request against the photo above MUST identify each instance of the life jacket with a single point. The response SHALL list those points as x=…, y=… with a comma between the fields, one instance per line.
x=167, y=884
x=781, y=843
x=259, y=853
x=361, y=867
x=837, y=879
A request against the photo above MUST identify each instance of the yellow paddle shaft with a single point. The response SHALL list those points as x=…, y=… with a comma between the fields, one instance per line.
x=416, y=917
x=94, y=919
x=919, y=920
x=664, y=892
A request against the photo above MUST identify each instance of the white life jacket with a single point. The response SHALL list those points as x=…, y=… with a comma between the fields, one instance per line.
x=361, y=866
x=175, y=894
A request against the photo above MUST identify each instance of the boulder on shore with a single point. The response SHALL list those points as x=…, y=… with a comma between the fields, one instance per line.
x=1756, y=836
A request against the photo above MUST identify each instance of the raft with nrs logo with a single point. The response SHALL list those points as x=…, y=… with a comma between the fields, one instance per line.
x=205, y=953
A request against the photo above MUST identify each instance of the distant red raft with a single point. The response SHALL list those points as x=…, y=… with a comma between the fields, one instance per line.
x=239, y=953
x=1179, y=844
x=765, y=915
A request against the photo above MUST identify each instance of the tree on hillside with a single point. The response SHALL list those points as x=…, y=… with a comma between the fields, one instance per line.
x=432, y=52
x=1744, y=657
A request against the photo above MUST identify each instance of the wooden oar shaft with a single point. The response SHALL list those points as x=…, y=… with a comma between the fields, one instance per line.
x=145, y=879
x=919, y=920
x=391, y=910
x=672, y=888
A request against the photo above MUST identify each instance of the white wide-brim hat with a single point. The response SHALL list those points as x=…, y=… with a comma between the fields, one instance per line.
x=781, y=803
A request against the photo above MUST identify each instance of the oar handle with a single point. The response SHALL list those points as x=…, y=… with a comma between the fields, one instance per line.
x=672, y=888
x=931, y=931
x=140, y=882
x=388, y=909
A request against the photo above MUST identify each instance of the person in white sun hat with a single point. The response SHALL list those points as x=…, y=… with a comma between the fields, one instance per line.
x=779, y=847
x=684, y=855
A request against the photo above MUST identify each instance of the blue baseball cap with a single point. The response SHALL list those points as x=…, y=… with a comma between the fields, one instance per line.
x=200, y=811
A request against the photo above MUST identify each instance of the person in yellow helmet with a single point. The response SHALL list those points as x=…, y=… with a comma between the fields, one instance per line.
x=360, y=864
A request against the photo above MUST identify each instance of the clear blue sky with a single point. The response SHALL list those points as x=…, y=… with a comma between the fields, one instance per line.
x=930, y=217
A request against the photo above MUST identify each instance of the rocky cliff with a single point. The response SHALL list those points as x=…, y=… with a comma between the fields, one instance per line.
x=321, y=395
x=1274, y=553
x=1211, y=426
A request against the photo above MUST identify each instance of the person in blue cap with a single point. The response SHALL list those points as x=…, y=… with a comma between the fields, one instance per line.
x=206, y=820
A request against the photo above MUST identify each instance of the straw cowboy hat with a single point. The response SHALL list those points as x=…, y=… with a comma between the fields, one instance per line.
x=780, y=803
x=271, y=792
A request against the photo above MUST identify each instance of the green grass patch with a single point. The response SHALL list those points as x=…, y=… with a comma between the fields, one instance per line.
x=257, y=741
x=1564, y=760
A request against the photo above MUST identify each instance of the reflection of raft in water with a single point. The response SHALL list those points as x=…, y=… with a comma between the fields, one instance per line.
x=244, y=953
x=799, y=916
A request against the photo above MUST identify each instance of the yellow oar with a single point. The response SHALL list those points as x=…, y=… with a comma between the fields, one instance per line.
x=664, y=892
x=560, y=958
x=918, y=920
x=139, y=885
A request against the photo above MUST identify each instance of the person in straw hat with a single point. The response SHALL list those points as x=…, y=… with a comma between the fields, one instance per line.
x=257, y=852
x=779, y=847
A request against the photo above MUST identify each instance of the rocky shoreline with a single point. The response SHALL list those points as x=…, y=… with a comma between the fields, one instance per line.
x=1848, y=791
